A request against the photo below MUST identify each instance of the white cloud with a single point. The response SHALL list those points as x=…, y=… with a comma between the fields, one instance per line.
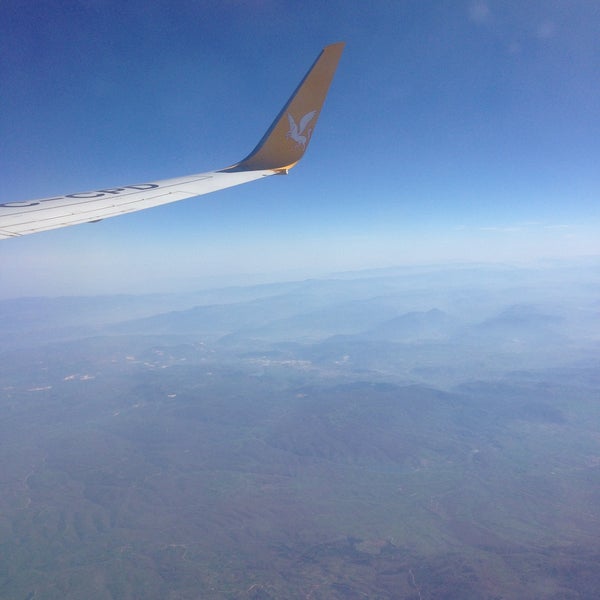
x=524, y=227
x=514, y=48
x=479, y=12
x=545, y=30
x=512, y=229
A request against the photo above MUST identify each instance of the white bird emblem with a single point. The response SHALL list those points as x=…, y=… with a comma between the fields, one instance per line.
x=296, y=131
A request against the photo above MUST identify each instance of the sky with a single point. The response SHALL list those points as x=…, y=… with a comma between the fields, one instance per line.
x=453, y=131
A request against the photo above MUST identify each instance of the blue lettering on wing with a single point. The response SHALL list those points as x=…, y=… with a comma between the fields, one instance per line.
x=23, y=204
x=85, y=195
x=140, y=187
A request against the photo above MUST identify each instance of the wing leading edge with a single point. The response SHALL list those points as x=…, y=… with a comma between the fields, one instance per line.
x=282, y=146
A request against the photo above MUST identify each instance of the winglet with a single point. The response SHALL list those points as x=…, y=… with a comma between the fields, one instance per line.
x=288, y=137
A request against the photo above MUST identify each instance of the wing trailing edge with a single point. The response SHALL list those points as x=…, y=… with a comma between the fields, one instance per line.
x=282, y=146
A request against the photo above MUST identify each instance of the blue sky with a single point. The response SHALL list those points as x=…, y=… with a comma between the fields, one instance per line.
x=462, y=130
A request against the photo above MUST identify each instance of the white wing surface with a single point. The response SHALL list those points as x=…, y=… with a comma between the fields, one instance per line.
x=276, y=153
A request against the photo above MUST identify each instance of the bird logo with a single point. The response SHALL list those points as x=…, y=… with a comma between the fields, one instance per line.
x=297, y=130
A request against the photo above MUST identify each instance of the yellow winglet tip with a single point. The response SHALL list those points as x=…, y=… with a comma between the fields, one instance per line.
x=288, y=137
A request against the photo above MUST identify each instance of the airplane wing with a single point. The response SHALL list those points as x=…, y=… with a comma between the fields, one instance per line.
x=279, y=150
